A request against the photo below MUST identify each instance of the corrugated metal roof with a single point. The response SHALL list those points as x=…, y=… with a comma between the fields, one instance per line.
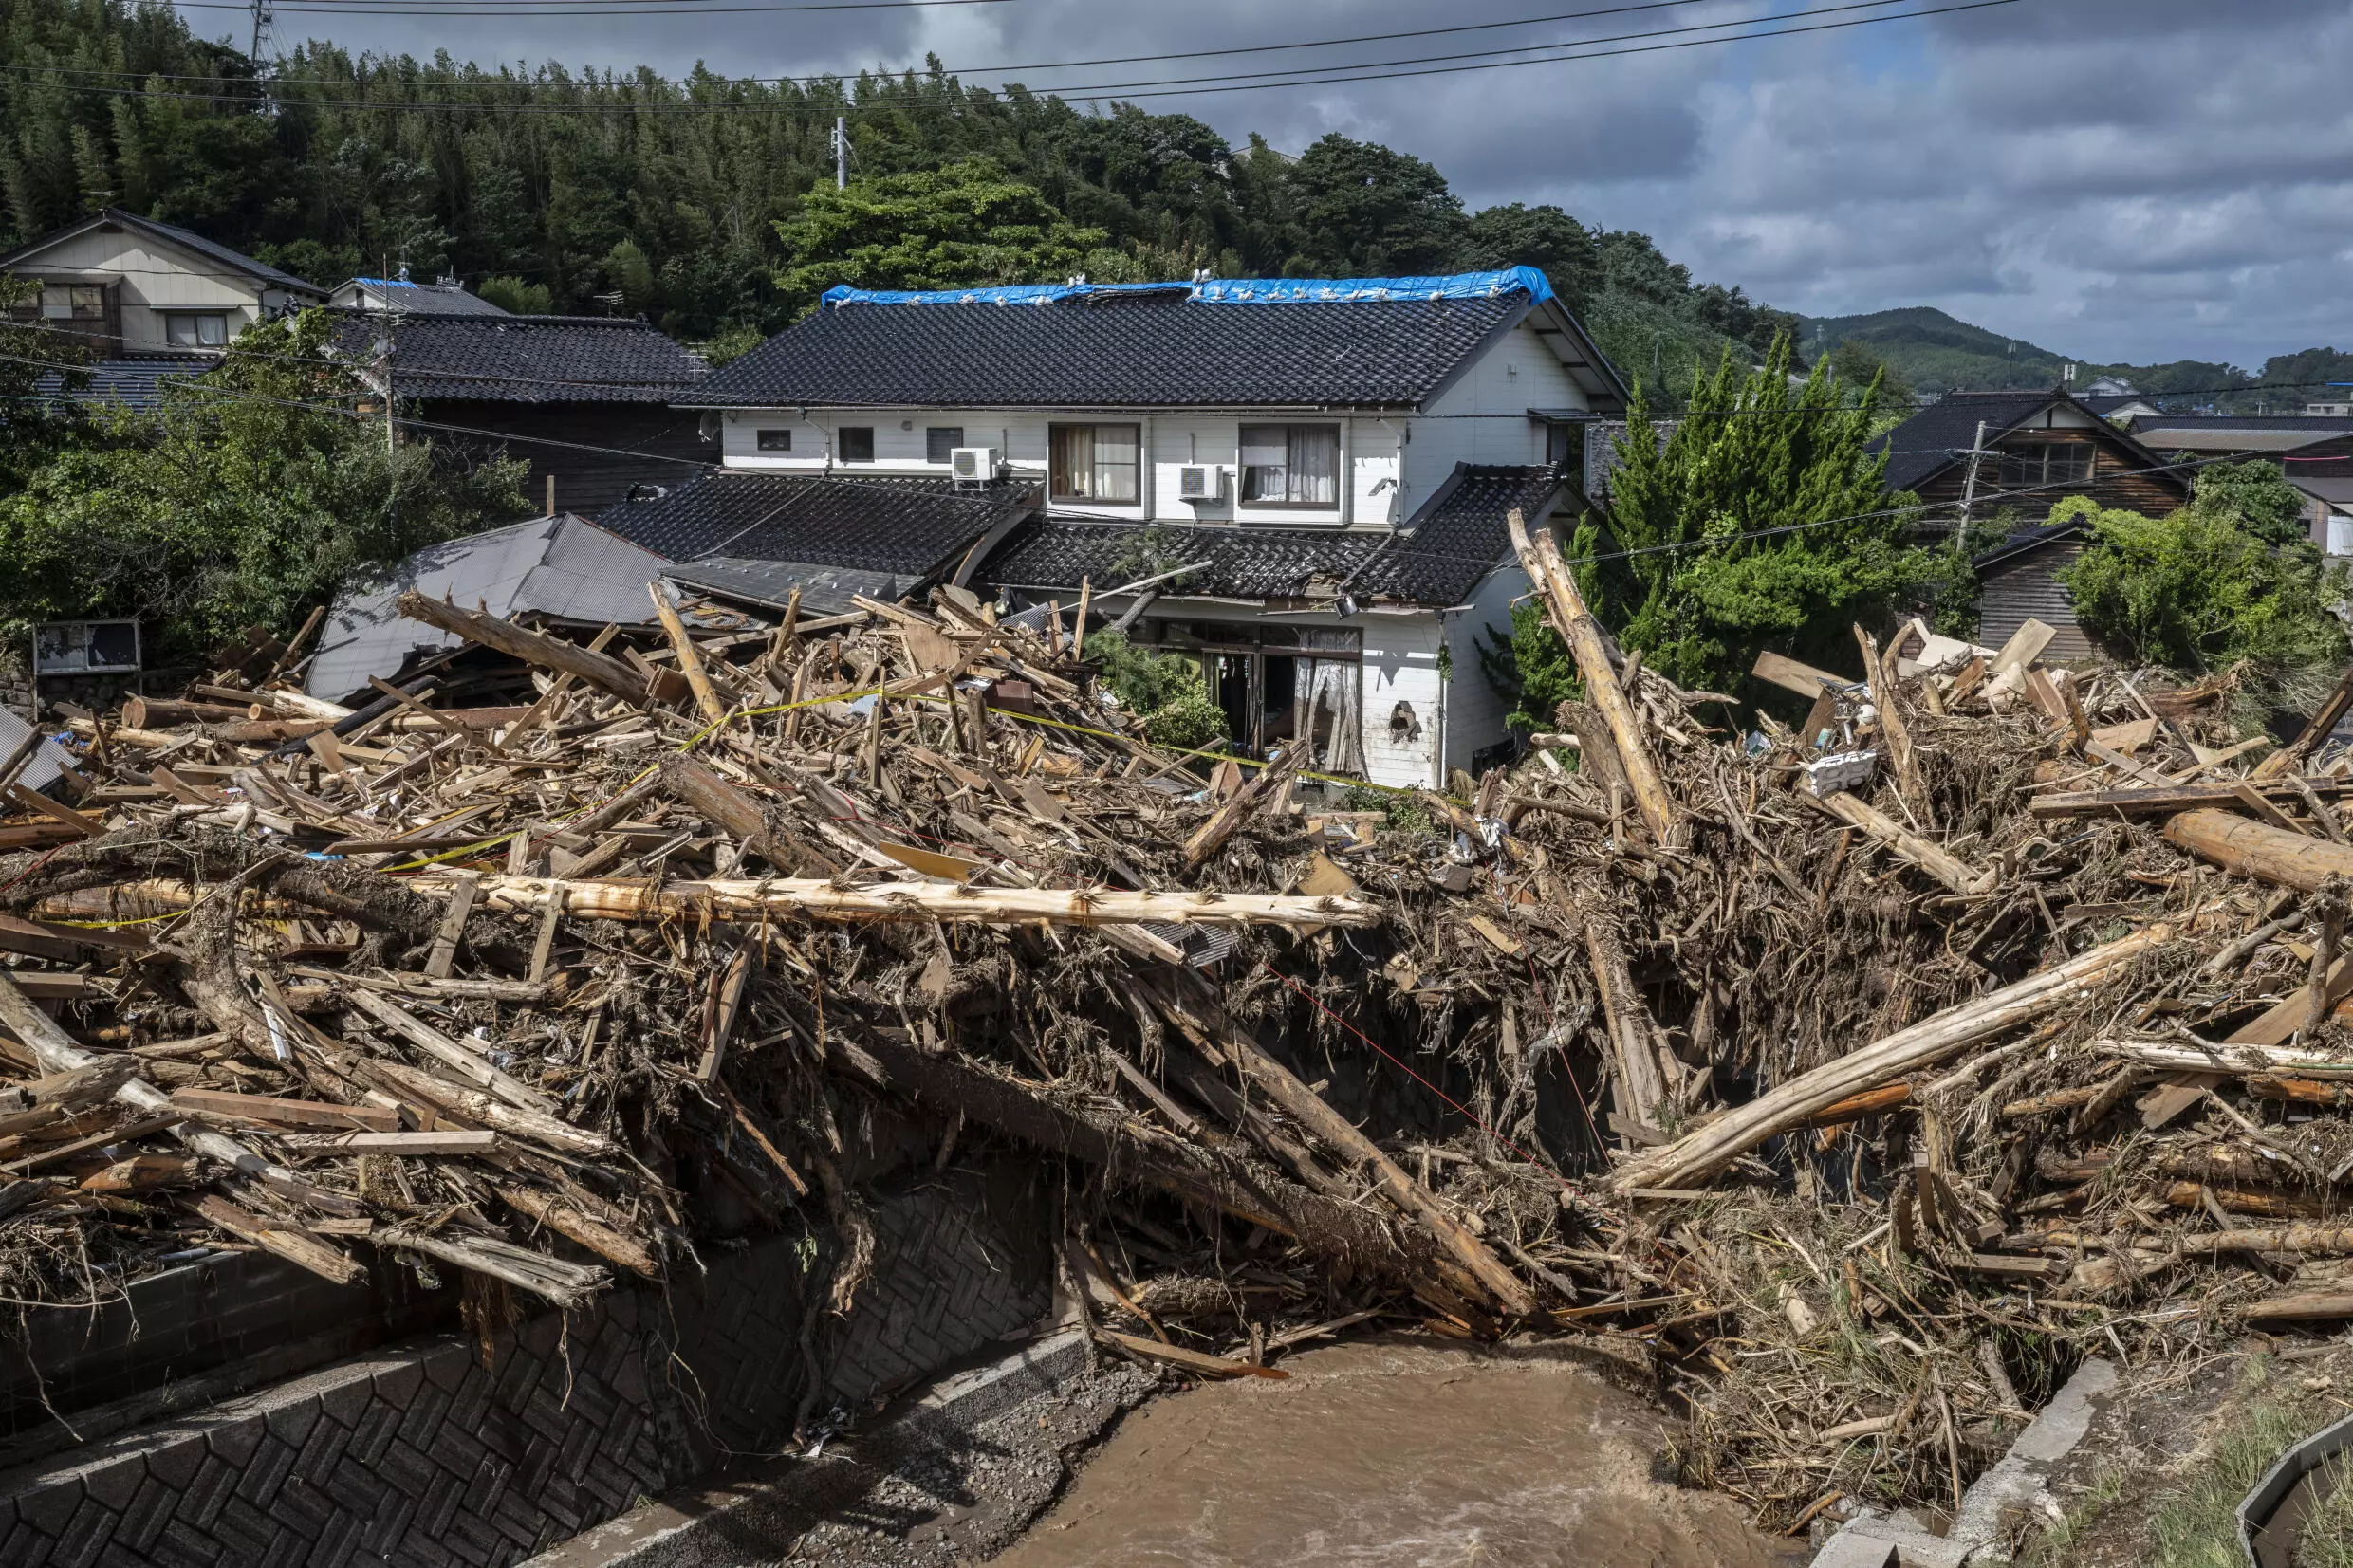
x=563, y=566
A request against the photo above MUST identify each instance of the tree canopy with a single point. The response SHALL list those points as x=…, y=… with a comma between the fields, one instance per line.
x=245, y=501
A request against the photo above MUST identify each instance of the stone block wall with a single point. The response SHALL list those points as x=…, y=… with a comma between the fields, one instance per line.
x=426, y=1455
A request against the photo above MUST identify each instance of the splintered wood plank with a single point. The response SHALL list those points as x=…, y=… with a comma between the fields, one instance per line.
x=292, y=1113
x=445, y=941
x=1792, y=675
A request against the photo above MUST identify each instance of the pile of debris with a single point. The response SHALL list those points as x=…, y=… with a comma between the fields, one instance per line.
x=1867, y=1070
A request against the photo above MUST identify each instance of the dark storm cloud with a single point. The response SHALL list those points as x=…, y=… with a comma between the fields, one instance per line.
x=2117, y=179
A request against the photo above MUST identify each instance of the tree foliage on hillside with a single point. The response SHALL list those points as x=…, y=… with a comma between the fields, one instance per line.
x=247, y=500
x=709, y=204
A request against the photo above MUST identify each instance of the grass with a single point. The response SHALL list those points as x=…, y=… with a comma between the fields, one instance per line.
x=2191, y=1515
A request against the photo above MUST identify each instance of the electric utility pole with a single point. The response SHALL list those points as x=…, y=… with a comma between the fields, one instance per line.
x=841, y=151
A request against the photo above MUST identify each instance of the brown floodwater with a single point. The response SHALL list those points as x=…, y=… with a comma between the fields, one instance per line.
x=1397, y=1453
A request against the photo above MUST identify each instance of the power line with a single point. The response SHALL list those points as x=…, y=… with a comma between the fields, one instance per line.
x=1157, y=87
x=959, y=70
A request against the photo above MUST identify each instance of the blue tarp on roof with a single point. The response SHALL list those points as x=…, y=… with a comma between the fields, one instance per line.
x=1457, y=286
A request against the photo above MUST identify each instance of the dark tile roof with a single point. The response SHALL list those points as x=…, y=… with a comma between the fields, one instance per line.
x=1932, y=439
x=825, y=590
x=524, y=358
x=1144, y=350
x=915, y=527
x=1436, y=558
x=131, y=383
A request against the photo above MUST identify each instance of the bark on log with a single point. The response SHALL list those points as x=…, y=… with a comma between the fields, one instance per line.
x=818, y=898
x=1630, y=1035
x=1339, y=1232
x=599, y=670
x=2250, y=848
x=1701, y=1155
x=1943, y=866
x=1583, y=636
x=724, y=805
x=57, y=1053
x=1304, y=1106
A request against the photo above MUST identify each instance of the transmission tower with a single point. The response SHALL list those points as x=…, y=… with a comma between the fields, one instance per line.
x=265, y=19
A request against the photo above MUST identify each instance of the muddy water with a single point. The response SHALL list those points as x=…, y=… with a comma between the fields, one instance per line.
x=1397, y=1454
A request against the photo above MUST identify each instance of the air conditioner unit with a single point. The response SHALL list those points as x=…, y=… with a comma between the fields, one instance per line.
x=1201, y=482
x=973, y=464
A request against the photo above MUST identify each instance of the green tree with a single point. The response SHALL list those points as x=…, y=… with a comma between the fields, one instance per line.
x=964, y=224
x=1532, y=668
x=2198, y=590
x=1859, y=368
x=1757, y=522
x=247, y=500
x=2256, y=495
x=1166, y=690
x=1543, y=237
x=1364, y=210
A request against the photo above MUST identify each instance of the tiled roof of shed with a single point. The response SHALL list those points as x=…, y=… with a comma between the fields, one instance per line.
x=1137, y=350
x=1438, y=558
x=912, y=528
x=524, y=359
x=135, y=383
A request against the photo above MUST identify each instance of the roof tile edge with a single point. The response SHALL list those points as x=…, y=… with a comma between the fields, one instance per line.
x=1457, y=286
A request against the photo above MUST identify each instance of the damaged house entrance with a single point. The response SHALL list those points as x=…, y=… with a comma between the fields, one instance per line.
x=1276, y=683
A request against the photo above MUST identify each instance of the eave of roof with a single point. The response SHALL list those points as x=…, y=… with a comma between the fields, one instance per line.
x=187, y=239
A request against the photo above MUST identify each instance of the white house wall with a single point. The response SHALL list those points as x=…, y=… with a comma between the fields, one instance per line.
x=151, y=279
x=1402, y=667
x=1476, y=712
x=1483, y=417
x=1370, y=450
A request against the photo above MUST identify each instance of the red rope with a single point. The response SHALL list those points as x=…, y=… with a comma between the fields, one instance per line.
x=1376, y=1045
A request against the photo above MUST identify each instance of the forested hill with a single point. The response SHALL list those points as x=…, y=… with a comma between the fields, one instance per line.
x=1934, y=352
x=684, y=200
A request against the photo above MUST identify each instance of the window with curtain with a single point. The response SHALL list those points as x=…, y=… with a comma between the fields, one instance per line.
x=1290, y=465
x=1096, y=463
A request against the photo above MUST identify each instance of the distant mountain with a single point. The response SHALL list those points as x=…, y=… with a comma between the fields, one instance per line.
x=1937, y=353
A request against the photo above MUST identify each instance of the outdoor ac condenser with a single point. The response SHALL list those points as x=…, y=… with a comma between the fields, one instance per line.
x=1201, y=482
x=973, y=464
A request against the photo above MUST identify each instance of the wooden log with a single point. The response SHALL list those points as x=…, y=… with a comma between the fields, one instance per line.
x=441, y=1096
x=287, y=1113
x=690, y=657
x=2169, y=799
x=601, y=671
x=1212, y=834
x=1704, y=1153
x=1577, y=627
x=1200, y=1362
x=1871, y=1102
x=160, y=713
x=1932, y=858
x=818, y=898
x=2239, y=1200
x=1631, y=1040
x=471, y=1066
x=446, y=1140
x=1884, y=687
x=566, y=1219
x=565, y=1284
x=296, y=1246
x=723, y=806
x=2233, y=1059
x=1304, y=1106
x=2256, y=849
x=2299, y=1306
x=57, y=1053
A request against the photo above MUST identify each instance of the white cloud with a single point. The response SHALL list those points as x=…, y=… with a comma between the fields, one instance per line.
x=2116, y=179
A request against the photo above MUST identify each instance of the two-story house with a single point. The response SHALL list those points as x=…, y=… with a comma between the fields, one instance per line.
x=129, y=286
x=1333, y=460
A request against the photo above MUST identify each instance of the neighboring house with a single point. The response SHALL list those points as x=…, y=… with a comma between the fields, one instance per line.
x=2109, y=386
x=2125, y=409
x=586, y=400
x=552, y=571
x=140, y=384
x=2039, y=447
x=401, y=296
x=127, y=286
x=1342, y=454
x=2309, y=449
x=2018, y=579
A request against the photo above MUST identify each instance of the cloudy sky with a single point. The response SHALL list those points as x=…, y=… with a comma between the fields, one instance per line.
x=2116, y=179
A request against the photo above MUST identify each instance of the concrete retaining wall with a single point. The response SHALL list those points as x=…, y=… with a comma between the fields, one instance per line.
x=427, y=1455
